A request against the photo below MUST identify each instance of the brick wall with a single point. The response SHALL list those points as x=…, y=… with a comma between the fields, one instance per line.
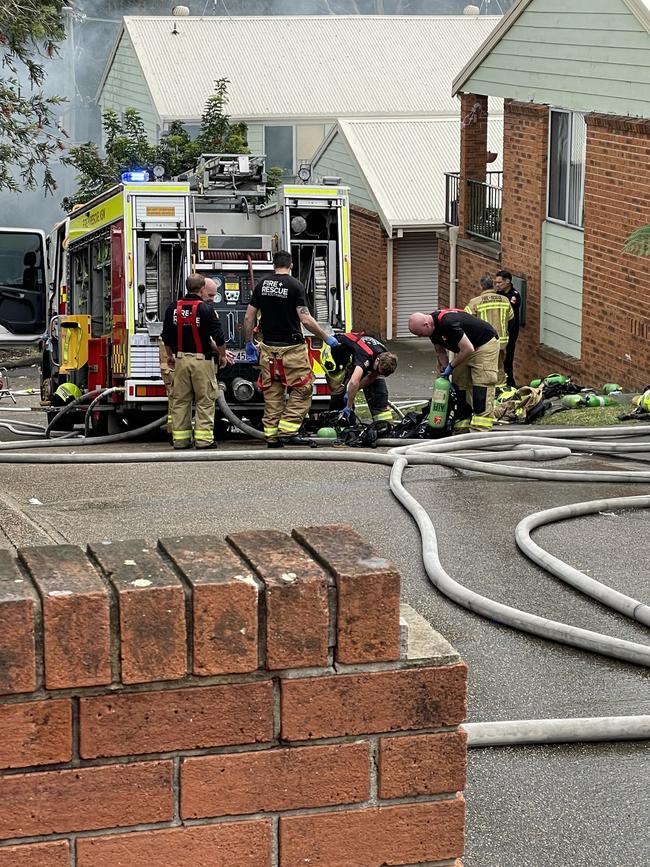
x=238, y=703
x=616, y=285
x=368, y=242
x=616, y=288
x=473, y=149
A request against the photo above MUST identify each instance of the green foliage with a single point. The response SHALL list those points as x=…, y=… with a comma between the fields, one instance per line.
x=274, y=177
x=127, y=147
x=638, y=242
x=30, y=31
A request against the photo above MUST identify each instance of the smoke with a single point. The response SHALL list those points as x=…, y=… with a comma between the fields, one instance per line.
x=91, y=32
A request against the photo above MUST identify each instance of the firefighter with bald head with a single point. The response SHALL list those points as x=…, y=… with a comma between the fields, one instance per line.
x=474, y=369
x=190, y=330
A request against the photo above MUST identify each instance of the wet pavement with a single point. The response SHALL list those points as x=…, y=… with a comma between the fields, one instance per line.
x=527, y=807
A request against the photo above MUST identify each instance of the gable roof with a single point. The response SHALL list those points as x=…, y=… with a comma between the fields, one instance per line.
x=302, y=67
x=403, y=162
x=639, y=8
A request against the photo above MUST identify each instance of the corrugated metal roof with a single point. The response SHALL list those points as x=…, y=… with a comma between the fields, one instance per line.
x=404, y=161
x=290, y=67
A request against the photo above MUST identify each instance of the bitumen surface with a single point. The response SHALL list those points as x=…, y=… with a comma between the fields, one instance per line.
x=582, y=805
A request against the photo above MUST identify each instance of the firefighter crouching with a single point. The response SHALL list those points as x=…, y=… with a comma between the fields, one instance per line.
x=496, y=309
x=189, y=328
x=475, y=365
x=359, y=362
x=284, y=361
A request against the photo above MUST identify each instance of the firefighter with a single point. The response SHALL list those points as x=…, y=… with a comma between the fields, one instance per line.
x=359, y=362
x=503, y=285
x=475, y=365
x=284, y=360
x=207, y=293
x=497, y=310
x=190, y=327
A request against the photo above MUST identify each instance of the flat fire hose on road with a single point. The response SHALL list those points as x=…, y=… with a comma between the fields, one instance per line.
x=485, y=454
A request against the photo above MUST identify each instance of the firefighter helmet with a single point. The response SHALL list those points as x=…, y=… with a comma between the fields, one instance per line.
x=644, y=403
x=66, y=392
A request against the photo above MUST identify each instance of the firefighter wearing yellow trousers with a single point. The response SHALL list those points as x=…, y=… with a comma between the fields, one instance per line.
x=497, y=310
x=286, y=375
x=190, y=329
x=474, y=367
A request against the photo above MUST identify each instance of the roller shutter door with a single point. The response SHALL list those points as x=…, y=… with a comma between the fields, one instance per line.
x=417, y=277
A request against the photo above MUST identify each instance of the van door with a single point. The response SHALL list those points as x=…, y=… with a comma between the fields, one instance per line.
x=22, y=285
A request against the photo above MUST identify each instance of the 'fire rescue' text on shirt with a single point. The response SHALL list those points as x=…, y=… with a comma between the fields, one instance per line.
x=278, y=299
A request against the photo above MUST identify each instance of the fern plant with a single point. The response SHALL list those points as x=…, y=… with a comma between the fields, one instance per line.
x=638, y=243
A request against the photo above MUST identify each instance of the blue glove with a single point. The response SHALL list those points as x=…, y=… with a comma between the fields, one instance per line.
x=447, y=372
x=345, y=413
x=332, y=341
x=252, y=353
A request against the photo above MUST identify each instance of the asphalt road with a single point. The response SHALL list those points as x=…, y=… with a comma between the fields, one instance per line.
x=527, y=807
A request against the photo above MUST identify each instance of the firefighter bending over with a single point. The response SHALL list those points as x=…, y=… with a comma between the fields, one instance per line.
x=284, y=360
x=359, y=362
x=189, y=327
x=474, y=368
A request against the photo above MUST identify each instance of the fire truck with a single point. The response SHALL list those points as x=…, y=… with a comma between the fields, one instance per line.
x=120, y=259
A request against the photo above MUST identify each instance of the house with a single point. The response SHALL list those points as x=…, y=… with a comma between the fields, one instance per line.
x=395, y=168
x=576, y=182
x=290, y=77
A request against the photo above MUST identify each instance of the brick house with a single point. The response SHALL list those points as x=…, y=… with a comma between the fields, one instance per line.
x=576, y=183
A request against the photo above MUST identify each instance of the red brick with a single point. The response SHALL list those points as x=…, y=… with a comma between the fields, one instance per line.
x=295, y=598
x=17, y=639
x=37, y=855
x=235, y=844
x=176, y=719
x=377, y=837
x=422, y=764
x=153, y=637
x=364, y=632
x=274, y=780
x=224, y=604
x=35, y=733
x=85, y=799
x=382, y=701
x=76, y=616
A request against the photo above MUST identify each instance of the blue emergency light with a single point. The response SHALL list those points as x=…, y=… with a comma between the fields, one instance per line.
x=140, y=176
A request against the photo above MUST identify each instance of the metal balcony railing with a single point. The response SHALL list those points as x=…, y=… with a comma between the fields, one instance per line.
x=484, y=204
x=484, y=207
x=452, y=192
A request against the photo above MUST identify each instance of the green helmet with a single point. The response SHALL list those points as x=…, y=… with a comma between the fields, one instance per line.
x=67, y=391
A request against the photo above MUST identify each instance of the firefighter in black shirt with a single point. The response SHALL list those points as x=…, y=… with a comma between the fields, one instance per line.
x=189, y=327
x=358, y=362
x=503, y=285
x=284, y=360
x=476, y=363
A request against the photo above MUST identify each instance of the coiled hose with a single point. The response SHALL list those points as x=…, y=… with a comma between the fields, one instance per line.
x=486, y=453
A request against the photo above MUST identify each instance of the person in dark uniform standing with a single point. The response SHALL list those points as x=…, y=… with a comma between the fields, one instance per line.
x=359, y=362
x=503, y=285
x=474, y=369
x=285, y=369
x=189, y=328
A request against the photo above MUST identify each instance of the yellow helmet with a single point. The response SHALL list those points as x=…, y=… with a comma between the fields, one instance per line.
x=67, y=392
x=644, y=401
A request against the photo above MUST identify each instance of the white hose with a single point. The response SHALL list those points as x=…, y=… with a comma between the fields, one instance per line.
x=557, y=731
x=526, y=447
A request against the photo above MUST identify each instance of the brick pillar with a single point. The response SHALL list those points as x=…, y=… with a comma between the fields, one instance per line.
x=473, y=148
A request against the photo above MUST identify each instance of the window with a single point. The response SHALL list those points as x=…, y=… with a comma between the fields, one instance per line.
x=278, y=147
x=566, y=167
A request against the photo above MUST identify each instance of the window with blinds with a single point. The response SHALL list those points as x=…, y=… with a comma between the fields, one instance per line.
x=567, y=147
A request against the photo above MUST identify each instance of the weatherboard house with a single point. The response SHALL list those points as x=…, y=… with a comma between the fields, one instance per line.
x=576, y=184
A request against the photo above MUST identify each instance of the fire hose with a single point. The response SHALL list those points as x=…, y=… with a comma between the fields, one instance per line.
x=485, y=454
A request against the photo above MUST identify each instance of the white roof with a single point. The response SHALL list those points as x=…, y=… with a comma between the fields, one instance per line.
x=403, y=163
x=639, y=8
x=293, y=67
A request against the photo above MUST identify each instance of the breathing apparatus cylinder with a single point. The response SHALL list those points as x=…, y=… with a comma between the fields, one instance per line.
x=609, y=387
x=439, y=403
x=599, y=400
